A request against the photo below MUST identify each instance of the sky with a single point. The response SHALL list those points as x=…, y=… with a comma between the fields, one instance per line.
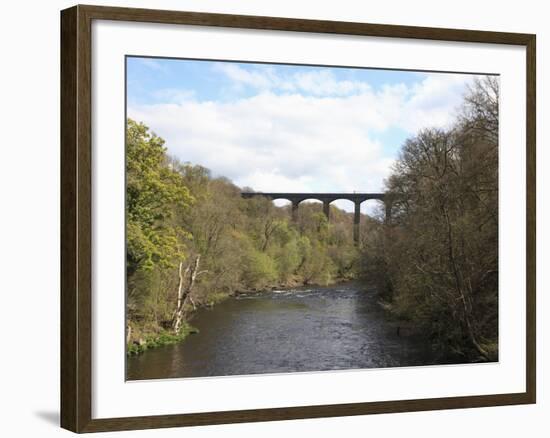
x=283, y=128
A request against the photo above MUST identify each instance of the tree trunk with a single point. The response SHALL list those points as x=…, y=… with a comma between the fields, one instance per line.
x=459, y=288
x=184, y=291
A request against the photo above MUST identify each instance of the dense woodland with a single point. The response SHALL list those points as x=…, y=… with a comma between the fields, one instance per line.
x=436, y=263
x=193, y=241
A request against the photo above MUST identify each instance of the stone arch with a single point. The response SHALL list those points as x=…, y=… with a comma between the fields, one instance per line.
x=299, y=199
x=326, y=199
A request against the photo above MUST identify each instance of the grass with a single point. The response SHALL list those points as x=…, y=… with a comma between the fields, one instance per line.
x=216, y=297
x=160, y=339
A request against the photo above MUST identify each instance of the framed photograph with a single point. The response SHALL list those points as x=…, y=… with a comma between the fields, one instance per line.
x=269, y=218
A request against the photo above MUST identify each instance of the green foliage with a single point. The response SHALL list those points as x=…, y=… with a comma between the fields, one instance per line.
x=159, y=339
x=177, y=211
x=435, y=262
x=259, y=270
x=287, y=259
x=154, y=194
x=438, y=261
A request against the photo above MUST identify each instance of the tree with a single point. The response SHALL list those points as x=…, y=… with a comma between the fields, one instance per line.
x=193, y=241
x=154, y=192
x=440, y=255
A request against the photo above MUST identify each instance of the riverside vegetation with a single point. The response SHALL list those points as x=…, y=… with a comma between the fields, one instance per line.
x=193, y=241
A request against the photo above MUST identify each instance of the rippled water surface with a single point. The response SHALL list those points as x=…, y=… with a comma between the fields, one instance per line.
x=303, y=329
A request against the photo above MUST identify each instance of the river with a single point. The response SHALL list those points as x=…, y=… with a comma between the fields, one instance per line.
x=303, y=329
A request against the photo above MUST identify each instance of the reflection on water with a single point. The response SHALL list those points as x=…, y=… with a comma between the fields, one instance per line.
x=303, y=329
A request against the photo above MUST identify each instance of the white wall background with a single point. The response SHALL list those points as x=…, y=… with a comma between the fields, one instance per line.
x=29, y=223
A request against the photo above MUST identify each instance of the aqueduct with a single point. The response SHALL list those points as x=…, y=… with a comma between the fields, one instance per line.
x=326, y=199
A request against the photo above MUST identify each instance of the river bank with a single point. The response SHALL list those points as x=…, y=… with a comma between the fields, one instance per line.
x=310, y=328
x=154, y=339
x=160, y=339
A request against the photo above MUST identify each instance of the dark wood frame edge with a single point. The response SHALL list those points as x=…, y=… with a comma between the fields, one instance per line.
x=76, y=172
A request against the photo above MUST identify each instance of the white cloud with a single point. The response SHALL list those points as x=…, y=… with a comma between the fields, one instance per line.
x=262, y=80
x=173, y=95
x=295, y=143
x=152, y=64
x=323, y=82
x=318, y=82
x=434, y=100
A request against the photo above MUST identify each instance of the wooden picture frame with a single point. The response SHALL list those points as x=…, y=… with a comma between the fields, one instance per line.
x=76, y=217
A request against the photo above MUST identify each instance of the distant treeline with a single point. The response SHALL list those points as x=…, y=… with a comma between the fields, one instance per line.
x=437, y=262
x=192, y=240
